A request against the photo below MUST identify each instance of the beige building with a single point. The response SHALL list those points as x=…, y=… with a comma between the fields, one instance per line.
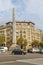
x=37, y=35
x=41, y=35
x=3, y=33
x=27, y=29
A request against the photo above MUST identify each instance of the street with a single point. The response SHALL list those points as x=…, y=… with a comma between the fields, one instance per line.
x=28, y=59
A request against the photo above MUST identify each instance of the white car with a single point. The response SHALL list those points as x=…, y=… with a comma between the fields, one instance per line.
x=3, y=49
x=34, y=50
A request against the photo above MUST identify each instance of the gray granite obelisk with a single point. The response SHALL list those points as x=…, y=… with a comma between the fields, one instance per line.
x=14, y=26
x=14, y=30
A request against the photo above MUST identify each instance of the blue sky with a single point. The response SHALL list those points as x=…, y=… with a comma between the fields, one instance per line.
x=29, y=10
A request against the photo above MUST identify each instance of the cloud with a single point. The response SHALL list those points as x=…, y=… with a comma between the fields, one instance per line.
x=34, y=6
x=5, y=11
x=30, y=10
x=29, y=6
x=5, y=4
x=5, y=16
x=25, y=10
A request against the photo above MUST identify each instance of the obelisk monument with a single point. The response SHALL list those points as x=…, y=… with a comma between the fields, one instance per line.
x=14, y=30
x=14, y=26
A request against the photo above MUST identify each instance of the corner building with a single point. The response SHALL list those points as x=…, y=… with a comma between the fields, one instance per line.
x=27, y=29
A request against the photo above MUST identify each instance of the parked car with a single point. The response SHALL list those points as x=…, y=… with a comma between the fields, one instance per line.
x=29, y=50
x=34, y=50
x=18, y=51
x=3, y=49
x=41, y=50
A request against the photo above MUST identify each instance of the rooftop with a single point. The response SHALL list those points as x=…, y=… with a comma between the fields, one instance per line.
x=21, y=22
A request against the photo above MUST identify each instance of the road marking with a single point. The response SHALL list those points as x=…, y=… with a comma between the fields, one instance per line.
x=37, y=61
x=7, y=62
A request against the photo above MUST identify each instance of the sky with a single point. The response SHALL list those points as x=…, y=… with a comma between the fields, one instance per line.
x=29, y=10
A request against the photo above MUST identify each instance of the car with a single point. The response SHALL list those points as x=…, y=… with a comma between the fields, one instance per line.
x=34, y=50
x=3, y=49
x=29, y=50
x=18, y=51
x=41, y=50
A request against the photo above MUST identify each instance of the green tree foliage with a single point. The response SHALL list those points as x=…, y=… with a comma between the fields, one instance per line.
x=22, y=42
x=41, y=44
x=2, y=39
x=25, y=44
x=35, y=43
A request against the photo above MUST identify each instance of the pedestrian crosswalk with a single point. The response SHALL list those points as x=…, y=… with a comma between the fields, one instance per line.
x=37, y=61
x=34, y=61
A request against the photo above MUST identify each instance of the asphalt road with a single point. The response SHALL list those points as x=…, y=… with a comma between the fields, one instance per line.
x=18, y=63
x=8, y=59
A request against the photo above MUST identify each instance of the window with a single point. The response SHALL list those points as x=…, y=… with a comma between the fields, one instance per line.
x=24, y=36
x=28, y=26
x=20, y=31
x=24, y=32
x=19, y=23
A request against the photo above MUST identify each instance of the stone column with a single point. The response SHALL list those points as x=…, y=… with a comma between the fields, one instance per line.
x=14, y=26
x=14, y=31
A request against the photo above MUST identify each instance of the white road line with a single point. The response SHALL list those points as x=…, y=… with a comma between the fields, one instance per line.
x=7, y=62
x=37, y=61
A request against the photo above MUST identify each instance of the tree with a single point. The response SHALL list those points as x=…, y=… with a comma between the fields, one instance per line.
x=35, y=43
x=2, y=40
x=20, y=42
x=41, y=44
x=25, y=44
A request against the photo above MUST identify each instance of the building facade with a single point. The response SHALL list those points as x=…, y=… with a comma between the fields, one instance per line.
x=37, y=35
x=3, y=35
x=41, y=35
x=27, y=29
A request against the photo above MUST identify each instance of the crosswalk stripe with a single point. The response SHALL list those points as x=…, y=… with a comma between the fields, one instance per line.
x=7, y=62
x=38, y=61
